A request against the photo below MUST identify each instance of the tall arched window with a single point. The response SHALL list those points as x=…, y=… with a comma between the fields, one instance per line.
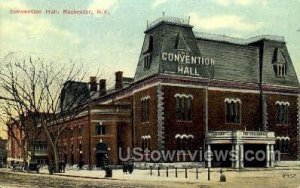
x=282, y=112
x=145, y=109
x=233, y=110
x=183, y=107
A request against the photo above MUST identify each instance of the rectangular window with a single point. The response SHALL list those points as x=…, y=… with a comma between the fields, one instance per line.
x=233, y=110
x=80, y=131
x=100, y=129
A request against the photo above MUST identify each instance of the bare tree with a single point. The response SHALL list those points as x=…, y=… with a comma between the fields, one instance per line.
x=20, y=128
x=50, y=96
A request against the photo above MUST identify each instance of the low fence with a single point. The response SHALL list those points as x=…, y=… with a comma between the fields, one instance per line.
x=179, y=172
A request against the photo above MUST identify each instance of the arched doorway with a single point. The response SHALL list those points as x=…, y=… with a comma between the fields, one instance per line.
x=101, y=155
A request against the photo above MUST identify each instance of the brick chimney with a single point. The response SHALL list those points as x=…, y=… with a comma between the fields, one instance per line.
x=93, y=83
x=102, y=87
x=119, y=80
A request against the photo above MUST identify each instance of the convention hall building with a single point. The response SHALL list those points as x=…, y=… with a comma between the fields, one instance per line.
x=193, y=91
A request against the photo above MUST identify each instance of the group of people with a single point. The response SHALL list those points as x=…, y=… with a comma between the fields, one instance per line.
x=128, y=166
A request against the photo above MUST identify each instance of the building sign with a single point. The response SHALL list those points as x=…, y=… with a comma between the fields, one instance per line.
x=187, y=64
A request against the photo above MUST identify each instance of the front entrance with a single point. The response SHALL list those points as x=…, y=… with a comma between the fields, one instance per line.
x=255, y=155
x=249, y=148
x=221, y=155
x=101, y=155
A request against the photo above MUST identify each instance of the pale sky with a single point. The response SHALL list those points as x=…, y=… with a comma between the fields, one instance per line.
x=113, y=42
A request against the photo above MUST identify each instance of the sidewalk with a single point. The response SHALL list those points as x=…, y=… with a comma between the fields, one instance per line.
x=142, y=175
x=248, y=178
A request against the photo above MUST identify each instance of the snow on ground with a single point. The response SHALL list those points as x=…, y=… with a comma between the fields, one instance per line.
x=144, y=175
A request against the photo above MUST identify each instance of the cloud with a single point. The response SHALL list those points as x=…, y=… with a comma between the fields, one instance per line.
x=156, y=3
x=232, y=22
x=103, y=4
x=241, y=2
x=30, y=32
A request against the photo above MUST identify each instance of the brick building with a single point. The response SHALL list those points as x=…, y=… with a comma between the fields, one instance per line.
x=194, y=91
x=3, y=152
x=29, y=147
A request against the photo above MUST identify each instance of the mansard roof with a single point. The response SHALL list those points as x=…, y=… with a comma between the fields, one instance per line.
x=237, y=60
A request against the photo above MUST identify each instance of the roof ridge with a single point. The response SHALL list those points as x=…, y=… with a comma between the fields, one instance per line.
x=235, y=40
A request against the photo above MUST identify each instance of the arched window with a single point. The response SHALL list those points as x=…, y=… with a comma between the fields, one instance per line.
x=183, y=107
x=178, y=141
x=146, y=142
x=282, y=144
x=232, y=110
x=145, y=109
x=184, y=141
x=282, y=112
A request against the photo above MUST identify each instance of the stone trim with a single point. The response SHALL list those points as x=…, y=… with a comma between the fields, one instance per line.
x=160, y=118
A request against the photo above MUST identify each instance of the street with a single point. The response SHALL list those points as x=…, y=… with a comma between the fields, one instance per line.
x=21, y=179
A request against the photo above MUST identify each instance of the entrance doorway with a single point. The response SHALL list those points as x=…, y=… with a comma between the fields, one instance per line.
x=101, y=155
x=254, y=155
x=221, y=155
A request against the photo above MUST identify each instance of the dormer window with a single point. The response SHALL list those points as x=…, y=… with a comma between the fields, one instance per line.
x=147, y=52
x=279, y=64
x=279, y=69
x=147, y=60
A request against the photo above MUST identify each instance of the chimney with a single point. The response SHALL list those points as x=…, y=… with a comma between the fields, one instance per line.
x=119, y=80
x=93, y=83
x=102, y=87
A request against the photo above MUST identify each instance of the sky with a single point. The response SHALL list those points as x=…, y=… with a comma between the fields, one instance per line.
x=112, y=41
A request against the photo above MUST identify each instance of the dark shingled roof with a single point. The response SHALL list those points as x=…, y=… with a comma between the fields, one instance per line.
x=73, y=94
x=236, y=59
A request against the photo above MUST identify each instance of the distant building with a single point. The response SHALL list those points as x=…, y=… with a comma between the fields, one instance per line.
x=19, y=147
x=3, y=152
x=193, y=91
